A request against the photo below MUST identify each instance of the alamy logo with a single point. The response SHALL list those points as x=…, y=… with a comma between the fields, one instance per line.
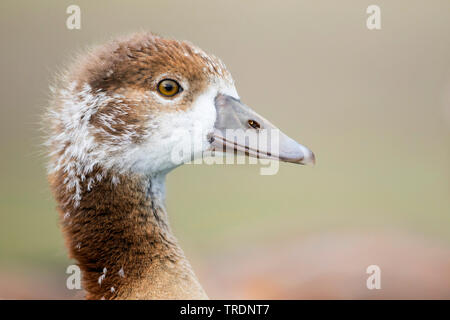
x=73, y=281
x=374, y=280
x=263, y=145
x=373, y=21
x=73, y=21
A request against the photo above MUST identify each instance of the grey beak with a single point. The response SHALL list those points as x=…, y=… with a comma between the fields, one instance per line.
x=241, y=130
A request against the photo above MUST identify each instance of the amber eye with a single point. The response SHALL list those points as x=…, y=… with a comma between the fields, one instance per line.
x=169, y=88
x=254, y=124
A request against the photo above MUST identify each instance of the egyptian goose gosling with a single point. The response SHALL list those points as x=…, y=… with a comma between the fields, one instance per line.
x=115, y=120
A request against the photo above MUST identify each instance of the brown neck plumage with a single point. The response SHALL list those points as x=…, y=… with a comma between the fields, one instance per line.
x=119, y=234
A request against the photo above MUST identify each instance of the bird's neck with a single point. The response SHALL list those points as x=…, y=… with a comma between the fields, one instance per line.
x=116, y=227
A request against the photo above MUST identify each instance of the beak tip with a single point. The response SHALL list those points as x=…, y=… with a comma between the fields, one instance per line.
x=308, y=158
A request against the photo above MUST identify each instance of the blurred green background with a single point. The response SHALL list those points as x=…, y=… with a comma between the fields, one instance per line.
x=374, y=106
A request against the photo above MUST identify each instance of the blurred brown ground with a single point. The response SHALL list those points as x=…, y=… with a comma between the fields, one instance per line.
x=324, y=266
x=333, y=266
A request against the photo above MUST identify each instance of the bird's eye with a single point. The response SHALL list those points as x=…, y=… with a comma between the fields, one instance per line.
x=169, y=88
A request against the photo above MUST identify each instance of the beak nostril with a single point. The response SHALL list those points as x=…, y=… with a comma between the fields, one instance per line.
x=254, y=124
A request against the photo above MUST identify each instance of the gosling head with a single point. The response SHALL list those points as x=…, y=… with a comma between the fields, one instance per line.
x=147, y=104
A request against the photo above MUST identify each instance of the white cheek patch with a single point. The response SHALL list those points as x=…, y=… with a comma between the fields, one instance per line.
x=176, y=137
